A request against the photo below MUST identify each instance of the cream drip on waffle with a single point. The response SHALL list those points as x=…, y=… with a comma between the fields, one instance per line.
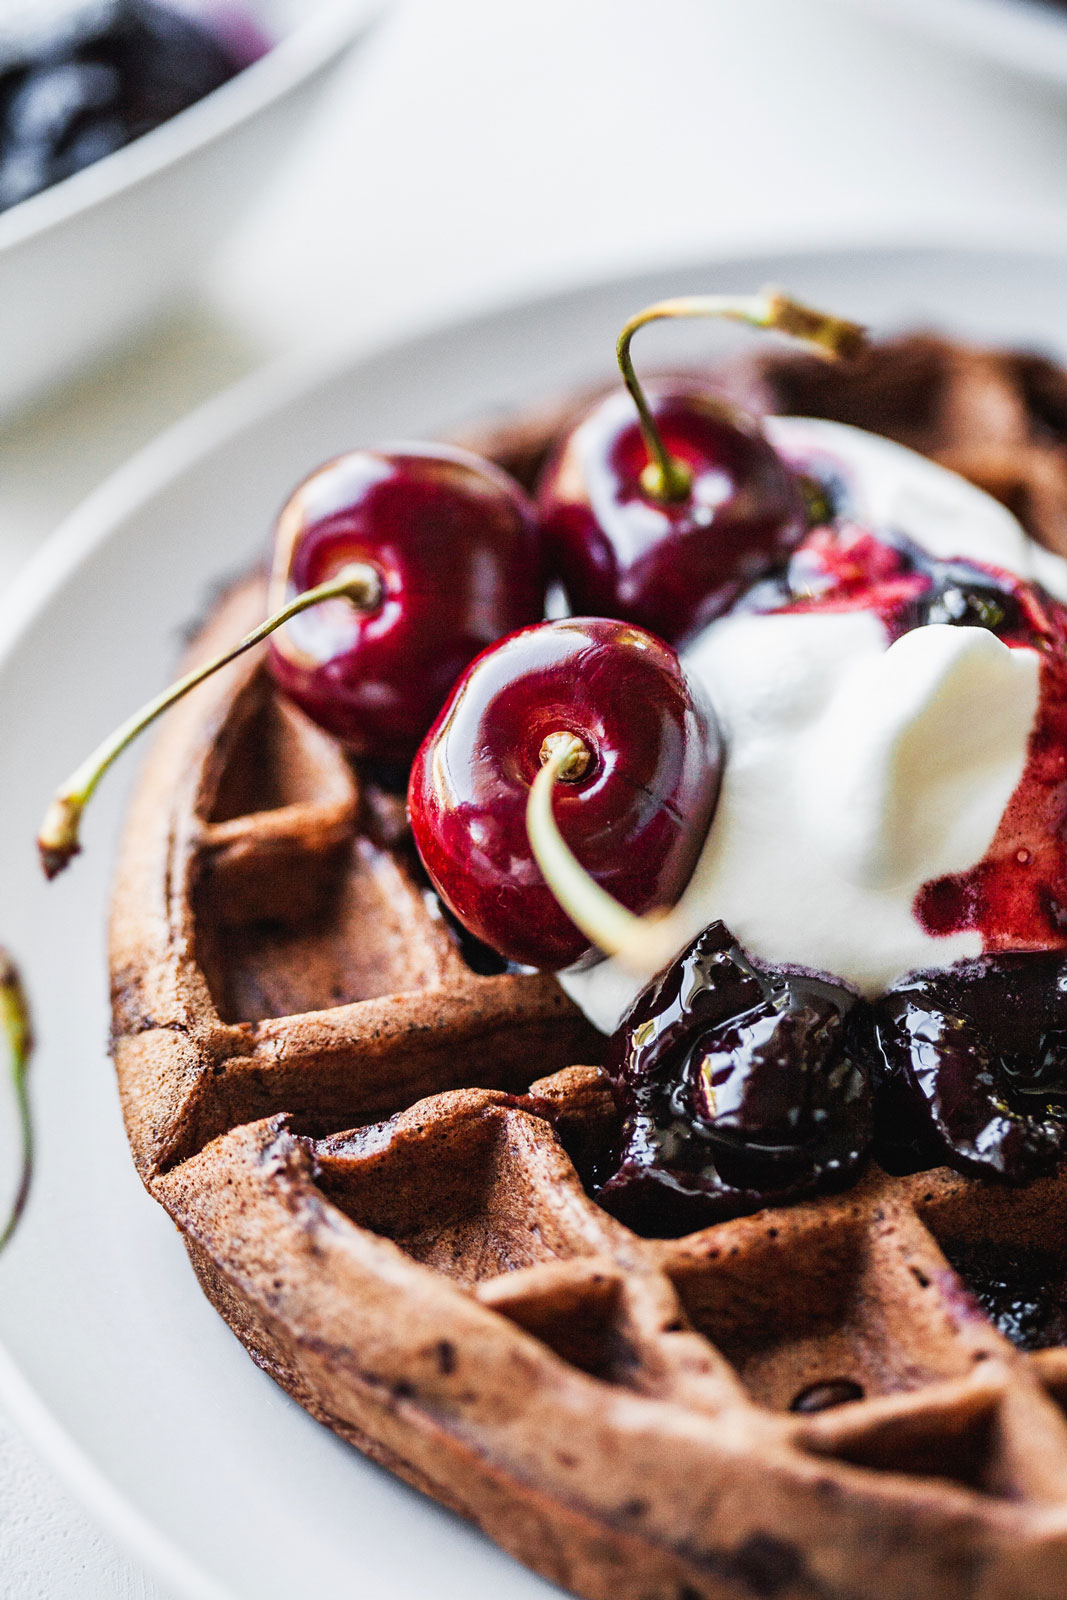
x=858, y=769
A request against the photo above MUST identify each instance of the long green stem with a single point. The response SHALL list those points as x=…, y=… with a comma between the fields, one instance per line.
x=832, y=337
x=15, y=1027
x=58, y=841
x=643, y=945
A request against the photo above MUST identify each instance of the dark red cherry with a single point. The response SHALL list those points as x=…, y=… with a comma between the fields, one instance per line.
x=663, y=504
x=741, y=1085
x=671, y=564
x=635, y=813
x=455, y=543
x=392, y=570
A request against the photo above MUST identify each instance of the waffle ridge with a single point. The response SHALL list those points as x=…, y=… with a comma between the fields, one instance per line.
x=375, y=1155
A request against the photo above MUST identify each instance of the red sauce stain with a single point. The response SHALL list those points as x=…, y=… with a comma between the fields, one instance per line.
x=1016, y=896
x=846, y=568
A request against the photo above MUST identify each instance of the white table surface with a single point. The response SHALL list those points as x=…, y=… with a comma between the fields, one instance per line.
x=477, y=151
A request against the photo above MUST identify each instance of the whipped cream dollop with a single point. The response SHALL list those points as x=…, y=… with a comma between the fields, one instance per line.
x=859, y=768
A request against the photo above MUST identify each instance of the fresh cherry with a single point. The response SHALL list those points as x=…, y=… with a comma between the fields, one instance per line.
x=411, y=561
x=457, y=550
x=740, y=1086
x=607, y=709
x=662, y=508
x=672, y=565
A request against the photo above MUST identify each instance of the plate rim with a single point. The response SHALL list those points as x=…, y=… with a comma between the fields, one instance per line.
x=171, y=454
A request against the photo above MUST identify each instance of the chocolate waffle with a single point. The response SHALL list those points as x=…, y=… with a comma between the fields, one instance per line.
x=374, y=1146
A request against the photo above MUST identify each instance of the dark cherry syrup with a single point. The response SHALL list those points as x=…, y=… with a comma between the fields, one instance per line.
x=1016, y=897
x=739, y=1086
x=971, y=1067
x=1021, y=1290
x=107, y=72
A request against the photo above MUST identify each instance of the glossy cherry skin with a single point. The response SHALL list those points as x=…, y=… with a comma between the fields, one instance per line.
x=741, y=1085
x=637, y=818
x=456, y=545
x=672, y=566
x=972, y=1066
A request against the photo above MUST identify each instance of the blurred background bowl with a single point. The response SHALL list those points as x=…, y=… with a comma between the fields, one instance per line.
x=1027, y=35
x=89, y=260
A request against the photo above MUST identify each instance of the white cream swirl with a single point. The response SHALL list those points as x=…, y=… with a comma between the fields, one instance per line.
x=857, y=770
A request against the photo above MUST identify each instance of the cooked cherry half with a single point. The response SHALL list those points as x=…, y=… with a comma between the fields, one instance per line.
x=633, y=803
x=972, y=1064
x=457, y=550
x=741, y=1086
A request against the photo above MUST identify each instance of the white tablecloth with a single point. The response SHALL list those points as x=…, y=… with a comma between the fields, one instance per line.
x=478, y=150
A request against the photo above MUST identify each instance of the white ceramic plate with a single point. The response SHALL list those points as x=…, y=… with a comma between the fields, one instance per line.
x=89, y=259
x=109, y=1355
x=1029, y=35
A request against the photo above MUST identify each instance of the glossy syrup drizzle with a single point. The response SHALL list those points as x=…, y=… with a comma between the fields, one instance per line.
x=1016, y=896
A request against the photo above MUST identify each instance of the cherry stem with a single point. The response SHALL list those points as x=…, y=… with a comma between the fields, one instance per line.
x=574, y=757
x=665, y=477
x=359, y=582
x=644, y=945
x=15, y=1026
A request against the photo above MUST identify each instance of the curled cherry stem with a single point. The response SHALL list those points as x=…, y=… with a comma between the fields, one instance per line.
x=667, y=478
x=642, y=944
x=359, y=582
x=18, y=1039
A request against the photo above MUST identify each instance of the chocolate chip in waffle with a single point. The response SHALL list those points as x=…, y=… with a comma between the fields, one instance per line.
x=375, y=1154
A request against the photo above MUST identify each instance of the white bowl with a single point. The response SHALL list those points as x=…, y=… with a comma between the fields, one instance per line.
x=93, y=257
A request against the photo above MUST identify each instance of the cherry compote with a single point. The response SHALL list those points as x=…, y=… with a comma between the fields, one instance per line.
x=971, y=1065
x=103, y=74
x=741, y=1085
x=1016, y=896
x=846, y=567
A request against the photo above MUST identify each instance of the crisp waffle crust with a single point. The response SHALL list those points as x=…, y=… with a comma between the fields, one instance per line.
x=632, y=1417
